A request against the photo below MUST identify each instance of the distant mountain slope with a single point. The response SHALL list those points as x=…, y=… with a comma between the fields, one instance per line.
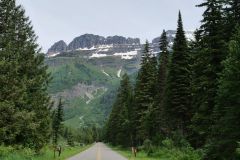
x=87, y=87
x=87, y=72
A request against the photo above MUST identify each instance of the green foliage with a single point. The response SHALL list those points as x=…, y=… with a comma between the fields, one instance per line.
x=159, y=121
x=210, y=52
x=148, y=148
x=4, y=151
x=45, y=154
x=177, y=103
x=57, y=122
x=23, y=81
x=166, y=152
x=70, y=139
x=119, y=126
x=197, y=105
x=226, y=132
x=145, y=91
x=168, y=143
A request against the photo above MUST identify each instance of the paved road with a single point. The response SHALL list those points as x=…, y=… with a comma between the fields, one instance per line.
x=98, y=152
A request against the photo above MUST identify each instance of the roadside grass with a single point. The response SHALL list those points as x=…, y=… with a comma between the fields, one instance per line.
x=140, y=155
x=161, y=153
x=9, y=153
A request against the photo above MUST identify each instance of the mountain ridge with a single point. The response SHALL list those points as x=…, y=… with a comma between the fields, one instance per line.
x=93, y=42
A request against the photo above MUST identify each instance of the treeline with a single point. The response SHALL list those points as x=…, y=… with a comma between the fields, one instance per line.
x=189, y=93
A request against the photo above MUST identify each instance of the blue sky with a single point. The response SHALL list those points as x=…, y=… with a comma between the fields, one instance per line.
x=55, y=20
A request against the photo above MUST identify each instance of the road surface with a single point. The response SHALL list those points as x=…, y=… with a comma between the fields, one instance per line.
x=98, y=152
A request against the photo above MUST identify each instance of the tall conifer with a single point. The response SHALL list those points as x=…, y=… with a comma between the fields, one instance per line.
x=213, y=51
x=145, y=91
x=177, y=103
x=161, y=84
x=24, y=78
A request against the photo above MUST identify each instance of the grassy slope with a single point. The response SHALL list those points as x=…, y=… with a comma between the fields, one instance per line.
x=46, y=154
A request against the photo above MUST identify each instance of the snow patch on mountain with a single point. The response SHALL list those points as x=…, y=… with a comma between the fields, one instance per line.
x=86, y=49
x=105, y=73
x=119, y=73
x=97, y=55
x=127, y=55
x=105, y=46
x=104, y=50
x=53, y=55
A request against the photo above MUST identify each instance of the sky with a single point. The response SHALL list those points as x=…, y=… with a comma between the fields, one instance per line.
x=55, y=20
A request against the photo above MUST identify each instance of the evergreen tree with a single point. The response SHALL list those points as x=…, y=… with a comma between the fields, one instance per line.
x=177, y=104
x=231, y=14
x=209, y=62
x=70, y=139
x=145, y=92
x=57, y=122
x=227, y=111
x=198, y=74
x=161, y=85
x=119, y=126
x=24, y=79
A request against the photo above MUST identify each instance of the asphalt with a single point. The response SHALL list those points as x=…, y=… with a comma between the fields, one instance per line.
x=99, y=151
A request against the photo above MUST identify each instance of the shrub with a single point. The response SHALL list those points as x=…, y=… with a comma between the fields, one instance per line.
x=147, y=145
x=28, y=153
x=157, y=140
x=4, y=151
x=168, y=143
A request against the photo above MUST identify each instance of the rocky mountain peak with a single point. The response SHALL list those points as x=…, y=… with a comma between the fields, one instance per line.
x=58, y=47
x=171, y=34
x=91, y=40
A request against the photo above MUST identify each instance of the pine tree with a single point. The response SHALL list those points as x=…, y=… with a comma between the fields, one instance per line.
x=208, y=66
x=198, y=74
x=177, y=104
x=145, y=91
x=70, y=139
x=227, y=111
x=161, y=84
x=231, y=14
x=24, y=79
x=57, y=122
x=119, y=125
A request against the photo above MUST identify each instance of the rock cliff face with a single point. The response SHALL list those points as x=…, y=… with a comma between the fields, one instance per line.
x=95, y=46
x=88, y=41
x=57, y=47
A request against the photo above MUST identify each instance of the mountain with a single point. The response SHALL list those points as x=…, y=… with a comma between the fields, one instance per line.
x=88, y=41
x=86, y=74
x=95, y=46
x=57, y=47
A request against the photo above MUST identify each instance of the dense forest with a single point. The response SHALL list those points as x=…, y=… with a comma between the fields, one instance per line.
x=188, y=94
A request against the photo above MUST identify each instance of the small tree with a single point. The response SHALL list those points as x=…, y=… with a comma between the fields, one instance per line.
x=57, y=122
x=70, y=139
